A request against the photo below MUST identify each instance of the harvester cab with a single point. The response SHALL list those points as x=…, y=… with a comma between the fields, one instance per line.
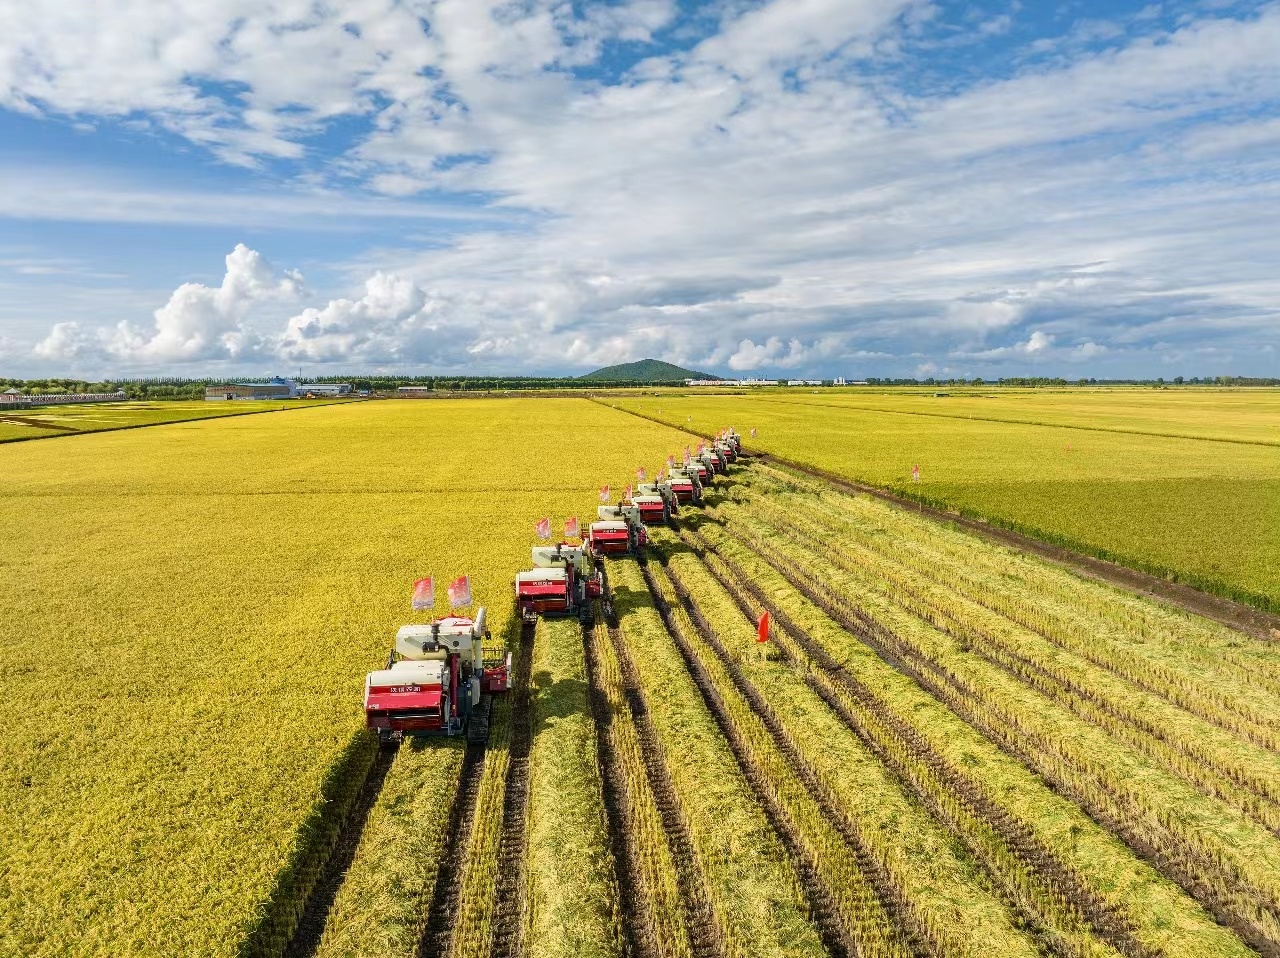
x=705, y=472
x=438, y=681
x=656, y=502
x=686, y=485
x=714, y=461
x=726, y=449
x=618, y=531
x=563, y=581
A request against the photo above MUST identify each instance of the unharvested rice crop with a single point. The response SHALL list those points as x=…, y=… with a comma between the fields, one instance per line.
x=188, y=615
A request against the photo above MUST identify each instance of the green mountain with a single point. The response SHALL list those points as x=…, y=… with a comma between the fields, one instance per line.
x=646, y=371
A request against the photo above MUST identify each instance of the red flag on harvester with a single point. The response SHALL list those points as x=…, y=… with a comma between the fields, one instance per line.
x=571, y=528
x=640, y=474
x=627, y=497
x=762, y=627
x=424, y=594
x=605, y=493
x=459, y=592
x=543, y=528
x=671, y=462
x=686, y=454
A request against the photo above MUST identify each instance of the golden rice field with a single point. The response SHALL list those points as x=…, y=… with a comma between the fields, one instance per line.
x=43, y=422
x=947, y=748
x=1183, y=484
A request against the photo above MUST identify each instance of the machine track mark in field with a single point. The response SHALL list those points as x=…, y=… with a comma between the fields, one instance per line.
x=306, y=937
x=438, y=933
x=508, y=924
x=704, y=934
x=1240, y=907
x=914, y=937
x=927, y=766
x=634, y=898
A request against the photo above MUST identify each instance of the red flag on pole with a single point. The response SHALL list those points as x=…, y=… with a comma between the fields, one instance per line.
x=424, y=594
x=671, y=462
x=762, y=627
x=627, y=497
x=753, y=432
x=687, y=457
x=605, y=493
x=543, y=528
x=915, y=473
x=459, y=592
x=571, y=528
x=640, y=474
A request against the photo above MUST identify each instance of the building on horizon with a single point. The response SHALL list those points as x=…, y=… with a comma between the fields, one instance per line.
x=274, y=388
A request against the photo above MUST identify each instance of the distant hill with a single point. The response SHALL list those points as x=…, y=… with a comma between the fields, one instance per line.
x=646, y=371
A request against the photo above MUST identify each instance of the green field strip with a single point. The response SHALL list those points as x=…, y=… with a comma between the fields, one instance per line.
x=746, y=872
x=573, y=895
x=936, y=881
x=381, y=907
x=1203, y=841
x=1166, y=920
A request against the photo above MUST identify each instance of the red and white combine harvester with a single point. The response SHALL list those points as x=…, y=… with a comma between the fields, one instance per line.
x=714, y=460
x=619, y=531
x=732, y=438
x=656, y=502
x=685, y=484
x=437, y=682
x=563, y=581
x=699, y=466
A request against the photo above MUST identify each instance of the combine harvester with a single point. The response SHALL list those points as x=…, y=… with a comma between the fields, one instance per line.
x=437, y=682
x=619, y=531
x=656, y=501
x=686, y=485
x=563, y=581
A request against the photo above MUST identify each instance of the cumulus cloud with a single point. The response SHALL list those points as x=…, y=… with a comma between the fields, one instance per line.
x=198, y=323
x=207, y=322
x=68, y=341
x=376, y=327
x=776, y=188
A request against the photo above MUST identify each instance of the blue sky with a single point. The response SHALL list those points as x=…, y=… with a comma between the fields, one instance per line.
x=818, y=187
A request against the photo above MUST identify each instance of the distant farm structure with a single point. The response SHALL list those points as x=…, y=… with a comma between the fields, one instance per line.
x=12, y=398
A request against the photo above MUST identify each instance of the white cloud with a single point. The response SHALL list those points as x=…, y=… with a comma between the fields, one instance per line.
x=766, y=197
x=207, y=322
x=376, y=327
x=772, y=352
x=67, y=341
